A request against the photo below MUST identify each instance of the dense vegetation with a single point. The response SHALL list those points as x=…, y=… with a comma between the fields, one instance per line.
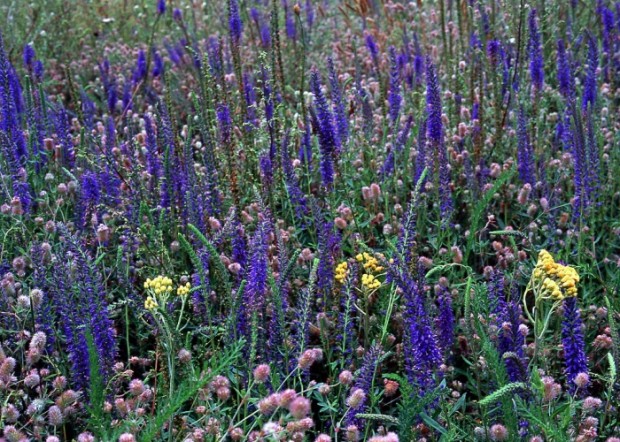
x=319, y=221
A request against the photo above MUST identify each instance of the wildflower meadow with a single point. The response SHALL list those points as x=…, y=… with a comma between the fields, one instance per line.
x=309, y=220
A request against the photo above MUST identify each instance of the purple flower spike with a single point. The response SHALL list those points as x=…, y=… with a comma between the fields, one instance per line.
x=235, y=25
x=534, y=48
x=324, y=123
x=435, y=137
x=565, y=76
x=394, y=96
x=525, y=154
x=573, y=342
x=161, y=7
x=589, y=89
x=29, y=56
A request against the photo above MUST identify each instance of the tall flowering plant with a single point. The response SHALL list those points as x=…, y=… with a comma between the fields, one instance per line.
x=553, y=285
x=158, y=303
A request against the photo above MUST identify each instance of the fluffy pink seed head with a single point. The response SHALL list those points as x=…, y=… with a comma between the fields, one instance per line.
x=60, y=383
x=552, y=389
x=136, y=387
x=86, y=437
x=323, y=438
x=590, y=422
x=261, y=373
x=426, y=262
x=23, y=301
x=356, y=398
x=146, y=396
x=69, y=397
x=10, y=413
x=126, y=437
x=286, y=397
x=366, y=193
x=38, y=340
x=306, y=359
x=234, y=268
x=352, y=433
x=345, y=377
x=54, y=416
x=306, y=423
x=52, y=439
x=340, y=223
x=591, y=403
x=220, y=381
x=36, y=297
x=457, y=255
x=214, y=223
x=524, y=194
x=582, y=379
x=184, y=356
x=300, y=426
x=7, y=367
x=498, y=433
x=236, y=434
x=390, y=437
x=375, y=190
x=318, y=354
x=121, y=406
x=12, y=434
x=223, y=393
x=213, y=426
x=269, y=404
x=299, y=407
x=32, y=380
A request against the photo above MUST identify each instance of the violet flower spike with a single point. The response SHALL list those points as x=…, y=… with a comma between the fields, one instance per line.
x=235, y=25
x=573, y=342
x=535, y=52
x=161, y=7
x=394, y=95
x=590, y=88
x=323, y=121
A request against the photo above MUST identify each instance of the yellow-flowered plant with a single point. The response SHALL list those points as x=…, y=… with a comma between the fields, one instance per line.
x=158, y=291
x=370, y=282
x=160, y=288
x=342, y=270
x=550, y=281
x=183, y=290
x=159, y=285
x=554, y=280
x=369, y=262
x=150, y=303
x=371, y=266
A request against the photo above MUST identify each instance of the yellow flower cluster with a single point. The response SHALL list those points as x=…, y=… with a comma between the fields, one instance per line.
x=342, y=270
x=160, y=284
x=370, y=263
x=150, y=303
x=555, y=280
x=183, y=290
x=370, y=282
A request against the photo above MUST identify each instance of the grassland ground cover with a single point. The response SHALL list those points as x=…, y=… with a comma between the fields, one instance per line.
x=313, y=220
